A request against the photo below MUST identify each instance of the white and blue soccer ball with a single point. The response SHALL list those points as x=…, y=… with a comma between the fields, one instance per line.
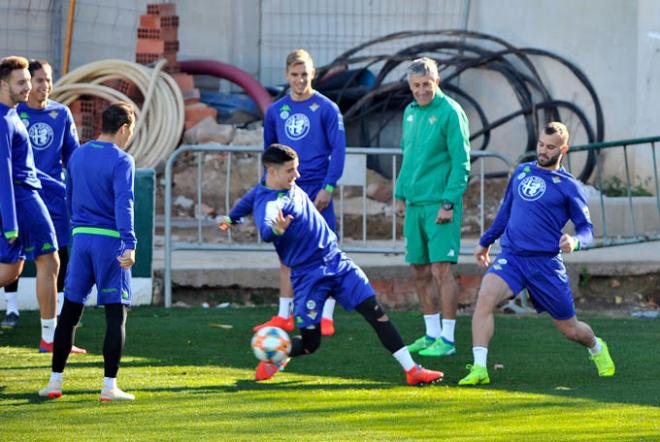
x=271, y=344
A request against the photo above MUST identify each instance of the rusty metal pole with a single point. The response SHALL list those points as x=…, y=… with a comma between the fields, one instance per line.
x=69, y=34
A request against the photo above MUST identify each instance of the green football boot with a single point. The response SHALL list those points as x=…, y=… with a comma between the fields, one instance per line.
x=478, y=376
x=420, y=344
x=603, y=360
x=440, y=347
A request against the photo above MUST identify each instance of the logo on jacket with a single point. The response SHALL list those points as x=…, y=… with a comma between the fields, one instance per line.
x=41, y=135
x=531, y=188
x=296, y=126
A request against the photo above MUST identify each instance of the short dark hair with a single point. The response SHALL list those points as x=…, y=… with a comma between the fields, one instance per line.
x=35, y=65
x=277, y=154
x=115, y=116
x=10, y=64
x=555, y=127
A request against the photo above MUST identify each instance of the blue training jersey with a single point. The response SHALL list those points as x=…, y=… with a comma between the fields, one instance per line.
x=536, y=206
x=99, y=185
x=314, y=128
x=53, y=136
x=308, y=239
x=16, y=167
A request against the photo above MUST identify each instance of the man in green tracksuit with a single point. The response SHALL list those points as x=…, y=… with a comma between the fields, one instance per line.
x=429, y=193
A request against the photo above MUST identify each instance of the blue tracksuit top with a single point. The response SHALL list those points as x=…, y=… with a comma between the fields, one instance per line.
x=99, y=187
x=53, y=136
x=16, y=167
x=314, y=128
x=307, y=241
x=536, y=206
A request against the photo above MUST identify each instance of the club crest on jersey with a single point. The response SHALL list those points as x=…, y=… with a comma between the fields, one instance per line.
x=296, y=126
x=313, y=107
x=41, y=135
x=311, y=305
x=531, y=188
x=53, y=114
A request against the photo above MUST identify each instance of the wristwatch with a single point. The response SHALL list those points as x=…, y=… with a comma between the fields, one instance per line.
x=448, y=205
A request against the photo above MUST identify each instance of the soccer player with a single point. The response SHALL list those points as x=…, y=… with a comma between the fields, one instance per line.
x=540, y=198
x=285, y=215
x=313, y=126
x=27, y=229
x=429, y=192
x=53, y=137
x=100, y=178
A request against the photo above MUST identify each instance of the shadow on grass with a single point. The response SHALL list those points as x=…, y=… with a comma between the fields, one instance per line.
x=535, y=358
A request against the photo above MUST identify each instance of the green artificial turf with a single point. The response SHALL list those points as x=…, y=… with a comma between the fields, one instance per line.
x=192, y=372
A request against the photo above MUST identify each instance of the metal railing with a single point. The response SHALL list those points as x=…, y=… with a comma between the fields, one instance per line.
x=354, y=175
x=607, y=234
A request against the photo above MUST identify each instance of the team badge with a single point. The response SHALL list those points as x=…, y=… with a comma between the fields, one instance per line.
x=313, y=107
x=312, y=314
x=311, y=305
x=296, y=126
x=531, y=188
x=556, y=179
x=521, y=175
x=284, y=112
x=433, y=119
x=41, y=136
x=53, y=114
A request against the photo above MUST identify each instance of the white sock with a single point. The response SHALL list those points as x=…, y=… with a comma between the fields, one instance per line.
x=448, y=326
x=285, y=307
x=403, y=356
x=55, y=377
x=48, y=329
x=109, y=383
x=12, y=302
x=432, y=325
x=480, y=356
x=596, y=348
x=60, y=302
x=329, y=308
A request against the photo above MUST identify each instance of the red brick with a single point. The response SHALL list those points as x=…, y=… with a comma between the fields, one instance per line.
x=197, y=112
x=165, y=34
x=186, y=82
x=161, y=9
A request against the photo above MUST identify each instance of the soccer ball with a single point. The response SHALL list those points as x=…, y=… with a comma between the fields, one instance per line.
x=271, y=344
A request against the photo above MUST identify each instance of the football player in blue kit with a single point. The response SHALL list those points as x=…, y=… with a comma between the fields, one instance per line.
x=27, y=229
x=540, y=199
x=100, y=180
x=312, y=125
x=285, y=216
x=53, y=137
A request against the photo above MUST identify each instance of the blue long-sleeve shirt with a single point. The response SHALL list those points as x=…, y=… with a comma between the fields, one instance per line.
x=16, y=167
x=99, y=184
x=314, y=128
x=307, y=240
x=536, y=206
x=53, y=136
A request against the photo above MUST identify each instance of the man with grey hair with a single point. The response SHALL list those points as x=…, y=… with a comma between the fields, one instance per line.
x=429, y=193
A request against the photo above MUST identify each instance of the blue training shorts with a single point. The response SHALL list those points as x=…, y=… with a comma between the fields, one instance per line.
x=329, y=212
x=313, y=284
x=545, y=279
x=93, y=260
x=36, y=233
x=55, y=200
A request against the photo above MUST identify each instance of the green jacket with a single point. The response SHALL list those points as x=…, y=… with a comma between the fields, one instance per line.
x=436, y=152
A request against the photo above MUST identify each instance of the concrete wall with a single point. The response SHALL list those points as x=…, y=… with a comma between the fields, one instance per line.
x=615, y=42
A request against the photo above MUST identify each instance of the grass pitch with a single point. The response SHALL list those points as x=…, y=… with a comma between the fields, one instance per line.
x=192, y=373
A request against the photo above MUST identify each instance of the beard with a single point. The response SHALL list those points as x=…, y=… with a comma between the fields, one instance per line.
x=548, y=162
x=17, y=97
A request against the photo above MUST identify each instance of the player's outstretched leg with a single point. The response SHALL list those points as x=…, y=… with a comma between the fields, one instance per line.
x=391, y=339
x=582, y=333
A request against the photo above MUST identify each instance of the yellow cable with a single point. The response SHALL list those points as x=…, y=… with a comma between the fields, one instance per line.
x=159, y=122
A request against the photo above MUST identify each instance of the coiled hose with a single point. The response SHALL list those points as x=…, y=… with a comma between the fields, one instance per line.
x=160, y=120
